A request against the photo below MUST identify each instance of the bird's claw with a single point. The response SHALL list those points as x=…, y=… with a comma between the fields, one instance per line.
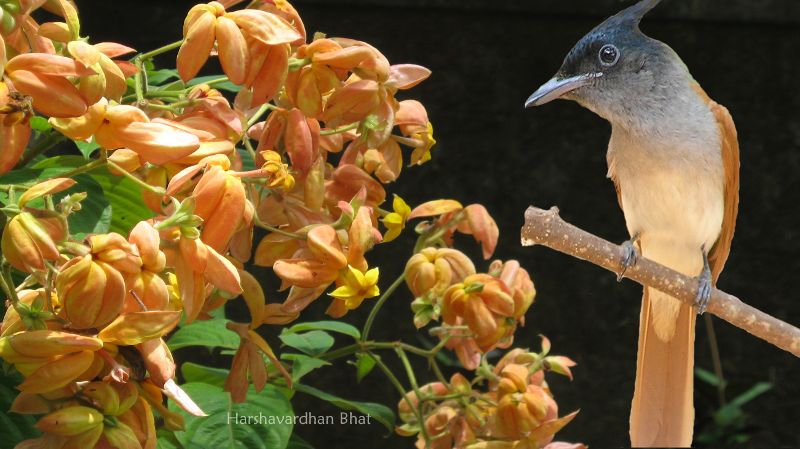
x=703, y=288
x=629, y=257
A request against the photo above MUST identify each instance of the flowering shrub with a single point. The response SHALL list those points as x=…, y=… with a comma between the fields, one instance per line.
x=116, y=257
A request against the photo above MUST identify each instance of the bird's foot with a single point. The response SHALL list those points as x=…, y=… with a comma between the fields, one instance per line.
x=629, y=256
x=704, y=287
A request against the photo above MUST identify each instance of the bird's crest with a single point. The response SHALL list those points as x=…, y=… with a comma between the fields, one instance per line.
x=630, y=16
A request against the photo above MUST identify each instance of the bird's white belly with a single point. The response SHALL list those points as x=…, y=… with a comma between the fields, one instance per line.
x=673, y=207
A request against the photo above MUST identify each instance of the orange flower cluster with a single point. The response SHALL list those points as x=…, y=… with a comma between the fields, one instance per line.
x=301, y=158
x=446, y=286
x=515, y=411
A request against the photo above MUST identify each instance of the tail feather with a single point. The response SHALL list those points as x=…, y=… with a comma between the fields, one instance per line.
x=662, y=414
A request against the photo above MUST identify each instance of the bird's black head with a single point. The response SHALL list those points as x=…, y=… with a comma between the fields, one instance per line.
x=611, y=64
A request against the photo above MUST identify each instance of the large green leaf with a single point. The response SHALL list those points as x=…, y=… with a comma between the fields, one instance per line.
x=13, y=426
x=209, y=333
x=263, y=421
x=312, y=343
x=295, y=442
x=332, y=326
x=192, y=372
x=378, y=412
x=94, y=217
x=124, y=195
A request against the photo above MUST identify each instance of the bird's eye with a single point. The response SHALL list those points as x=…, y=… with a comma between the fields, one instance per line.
x=609, y=55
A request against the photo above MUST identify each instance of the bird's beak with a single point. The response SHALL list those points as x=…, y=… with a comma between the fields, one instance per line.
x=557, y=87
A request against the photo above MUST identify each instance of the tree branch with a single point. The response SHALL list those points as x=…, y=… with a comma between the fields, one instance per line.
x=546, y=227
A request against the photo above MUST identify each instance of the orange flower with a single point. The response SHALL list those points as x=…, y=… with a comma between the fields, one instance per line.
x=29, y=239
x=15, y=131
x=219, y=199
x=436, y=269
x=195, y=263
x=46, y=79
x=49, y=359
x=121, y=126
x=347, y=181
x=518, y=280
x=292, y=132
x=91, y=292
x=249, y=359
x=473, y=219
x=412, y=118
x=485, y=305
x=108, y=81
x=147, y=290
x=206, y=24
x=326, y=259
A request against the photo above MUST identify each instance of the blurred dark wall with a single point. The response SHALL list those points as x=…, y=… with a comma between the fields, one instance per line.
x=485, y=63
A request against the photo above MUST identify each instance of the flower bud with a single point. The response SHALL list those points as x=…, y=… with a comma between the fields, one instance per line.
x=70, y=421
x=91, y=292
x=436, y=269
x=115, y=251
x=518, y=281
x=29, y=239
x=485, y=305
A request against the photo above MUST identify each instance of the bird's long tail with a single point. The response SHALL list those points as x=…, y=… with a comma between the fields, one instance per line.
x=662, y=414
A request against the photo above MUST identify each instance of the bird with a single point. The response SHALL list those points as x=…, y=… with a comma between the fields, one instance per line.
x=673, y=157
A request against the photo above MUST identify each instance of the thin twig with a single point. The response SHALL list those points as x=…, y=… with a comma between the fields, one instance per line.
x=546, y=227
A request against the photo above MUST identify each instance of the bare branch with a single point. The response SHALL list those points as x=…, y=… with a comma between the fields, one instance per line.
x=546, y=227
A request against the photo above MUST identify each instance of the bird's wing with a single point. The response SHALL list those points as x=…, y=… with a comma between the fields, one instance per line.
x=730, y=161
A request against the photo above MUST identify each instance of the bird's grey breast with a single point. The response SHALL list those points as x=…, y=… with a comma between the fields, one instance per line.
x=668, y=166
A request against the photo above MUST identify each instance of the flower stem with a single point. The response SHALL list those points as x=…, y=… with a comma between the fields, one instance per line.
x=280, y=231
x=153, y=53
x=399, y=386
x=341, y=129
x=157, y=190
x=216, y=81
x=377, y=307
x=82, y=169
x=255, y=117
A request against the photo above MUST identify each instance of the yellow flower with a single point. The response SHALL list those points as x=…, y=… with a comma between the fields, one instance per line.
x=422, y=152
x=278, y=171
x=356, y=286
x=396, y=221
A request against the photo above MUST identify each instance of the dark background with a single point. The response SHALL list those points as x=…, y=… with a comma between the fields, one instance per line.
x=487, y=57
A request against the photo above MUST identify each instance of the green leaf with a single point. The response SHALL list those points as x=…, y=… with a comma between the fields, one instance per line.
x=175, y=86
x=95, y=214
x=707, y=377
x=192, y=372
x=378, y=412
x=156, y=77
x=247, y=161
x=124, y=195
x=312, y=343
x=754, y=392
x=364, y=365
x=208, y=333
x=302, y=365
x=166, y=439
x=333, y=326
x=263, y=421
x=40, y=124
x=13, y=426
x=295, y=442
x=86, y=148
x=227, y=85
